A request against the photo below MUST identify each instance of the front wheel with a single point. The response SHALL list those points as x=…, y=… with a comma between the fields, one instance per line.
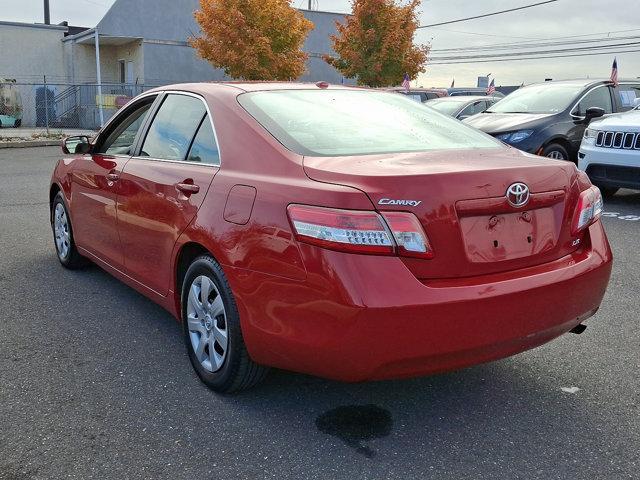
x=555, y=151
x=63, y=234
x=212, y=332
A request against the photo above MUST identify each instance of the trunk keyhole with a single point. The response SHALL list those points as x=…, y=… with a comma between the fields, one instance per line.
x=529, y=239
x=495, y=243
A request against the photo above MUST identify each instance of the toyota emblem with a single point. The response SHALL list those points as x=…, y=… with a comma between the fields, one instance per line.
x=518, y=195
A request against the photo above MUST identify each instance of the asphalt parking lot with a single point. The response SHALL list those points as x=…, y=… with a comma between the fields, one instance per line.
x=95, y=383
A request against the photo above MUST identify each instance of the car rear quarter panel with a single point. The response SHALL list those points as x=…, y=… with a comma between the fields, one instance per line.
x=264, y=247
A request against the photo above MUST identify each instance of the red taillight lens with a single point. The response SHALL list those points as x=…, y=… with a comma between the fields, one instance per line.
x=408, y=234
x=344, y=230
x=588, y=210
x=360, y=231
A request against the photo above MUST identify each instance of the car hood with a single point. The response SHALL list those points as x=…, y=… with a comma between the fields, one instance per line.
x=621, y=122
x=505, y=122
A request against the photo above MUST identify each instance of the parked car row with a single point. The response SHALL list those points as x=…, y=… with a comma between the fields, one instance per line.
x=553, y=119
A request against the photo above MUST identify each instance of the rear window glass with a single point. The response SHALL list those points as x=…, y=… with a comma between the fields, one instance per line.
x=352, y=122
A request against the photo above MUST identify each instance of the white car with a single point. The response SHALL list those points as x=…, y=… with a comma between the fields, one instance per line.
x=610, y=152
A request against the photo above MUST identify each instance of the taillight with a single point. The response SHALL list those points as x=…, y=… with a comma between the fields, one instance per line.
x=408, y=234
x=360, y=231
x=588, y=210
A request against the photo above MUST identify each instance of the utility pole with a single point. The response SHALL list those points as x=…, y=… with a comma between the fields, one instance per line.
x=47, y=16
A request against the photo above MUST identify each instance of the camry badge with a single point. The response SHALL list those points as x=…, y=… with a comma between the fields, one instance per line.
x=407, y=203
x=518, y=194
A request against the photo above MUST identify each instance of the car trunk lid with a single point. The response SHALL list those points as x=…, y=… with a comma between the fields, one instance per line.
x=460, y=199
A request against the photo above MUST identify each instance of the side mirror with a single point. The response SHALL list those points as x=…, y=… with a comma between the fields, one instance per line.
x=74, y=145
x=593, y=112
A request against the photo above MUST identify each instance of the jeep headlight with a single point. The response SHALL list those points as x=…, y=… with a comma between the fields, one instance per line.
x=590, y=133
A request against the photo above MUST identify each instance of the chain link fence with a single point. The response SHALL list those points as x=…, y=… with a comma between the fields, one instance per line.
x=62, y=105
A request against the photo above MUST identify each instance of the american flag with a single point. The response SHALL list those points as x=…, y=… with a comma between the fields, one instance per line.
x=492, y=87
x=614, y=72
x=406, y=83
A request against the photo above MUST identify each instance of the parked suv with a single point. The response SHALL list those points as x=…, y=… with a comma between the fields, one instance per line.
x=549, y=118
x=610, y=152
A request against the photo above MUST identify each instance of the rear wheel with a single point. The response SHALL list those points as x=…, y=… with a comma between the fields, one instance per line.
x=17, y=123
x=212, y=332
x=63, y=234
x=555, y=151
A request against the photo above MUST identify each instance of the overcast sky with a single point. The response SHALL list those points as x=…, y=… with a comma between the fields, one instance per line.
x=563, y=18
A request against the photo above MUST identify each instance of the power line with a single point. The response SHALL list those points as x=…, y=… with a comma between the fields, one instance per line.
x=521, y=46
x=535, y=40
x=488, y=14
x=538, y=52
x=529, y=58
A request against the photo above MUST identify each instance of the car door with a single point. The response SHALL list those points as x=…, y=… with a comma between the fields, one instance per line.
x=600, y=97
x=166, y=182
x=95, y=185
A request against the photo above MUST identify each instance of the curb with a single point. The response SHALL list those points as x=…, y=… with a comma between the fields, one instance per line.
x=30, y=143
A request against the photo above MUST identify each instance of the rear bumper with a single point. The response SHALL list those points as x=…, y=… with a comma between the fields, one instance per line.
x=359, y=317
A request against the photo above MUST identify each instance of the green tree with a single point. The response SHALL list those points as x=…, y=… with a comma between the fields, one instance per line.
x=375, y=44
x=253, y=39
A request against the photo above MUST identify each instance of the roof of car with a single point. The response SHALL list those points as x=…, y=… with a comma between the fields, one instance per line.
x=584, y=82
x=462, y=98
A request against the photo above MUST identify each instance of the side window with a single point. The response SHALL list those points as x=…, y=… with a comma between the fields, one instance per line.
x=629, y=95
x=414, y=96
x=472, y=109
x=205, y=148
x=173, y=127
x=600, y=97
x=120, y=140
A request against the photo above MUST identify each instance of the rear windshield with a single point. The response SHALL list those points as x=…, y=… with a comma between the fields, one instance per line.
x=353, y=122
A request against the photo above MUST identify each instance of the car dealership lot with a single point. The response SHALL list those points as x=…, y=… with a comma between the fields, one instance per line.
x=94, y=381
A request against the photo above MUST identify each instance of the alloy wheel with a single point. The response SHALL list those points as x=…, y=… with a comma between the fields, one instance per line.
x=556, y=155
x=61, y=231
x=207, y=323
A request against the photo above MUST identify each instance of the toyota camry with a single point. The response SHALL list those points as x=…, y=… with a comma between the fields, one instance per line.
x=341, y=232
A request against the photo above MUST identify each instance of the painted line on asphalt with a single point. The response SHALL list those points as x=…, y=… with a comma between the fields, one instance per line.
x=621, y=216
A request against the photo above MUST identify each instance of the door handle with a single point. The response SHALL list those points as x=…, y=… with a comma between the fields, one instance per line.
x=188, y=188
x=113, y=177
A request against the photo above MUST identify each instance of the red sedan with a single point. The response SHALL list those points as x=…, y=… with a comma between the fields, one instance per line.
x=341, y=232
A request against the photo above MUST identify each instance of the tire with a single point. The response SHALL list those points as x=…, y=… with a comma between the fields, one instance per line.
x=66, y=250
x=555, y=151
x=608, y=192
x=17, y=124
x=212, y=332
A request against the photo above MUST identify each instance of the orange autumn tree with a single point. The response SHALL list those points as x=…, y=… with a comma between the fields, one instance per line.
x=375, y=44
x=252, y=39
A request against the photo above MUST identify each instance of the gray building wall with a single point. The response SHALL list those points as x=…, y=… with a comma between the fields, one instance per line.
x=30, y=51
x=166, y=26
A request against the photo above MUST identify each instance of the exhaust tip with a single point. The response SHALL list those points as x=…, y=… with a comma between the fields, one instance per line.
x=578, y=329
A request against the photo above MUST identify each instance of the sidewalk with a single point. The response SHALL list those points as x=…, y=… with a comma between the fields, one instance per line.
x=37, y=137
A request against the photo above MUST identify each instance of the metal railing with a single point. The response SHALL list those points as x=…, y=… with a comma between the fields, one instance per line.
x=62, y=105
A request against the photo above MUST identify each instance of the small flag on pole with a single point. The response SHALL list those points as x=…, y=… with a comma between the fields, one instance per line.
x=492, y=87
x=453, y=82
x=406, y=83
x=614, y=72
